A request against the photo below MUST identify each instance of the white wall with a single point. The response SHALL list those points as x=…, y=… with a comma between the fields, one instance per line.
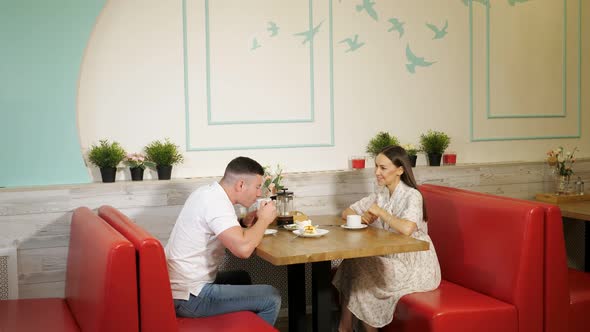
x=132, y=84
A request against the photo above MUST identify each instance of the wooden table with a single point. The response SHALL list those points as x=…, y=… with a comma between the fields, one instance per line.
x=284, y=248
x=574, y=207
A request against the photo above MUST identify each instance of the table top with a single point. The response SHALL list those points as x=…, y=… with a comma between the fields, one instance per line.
x=285, y=248
x=576, y=210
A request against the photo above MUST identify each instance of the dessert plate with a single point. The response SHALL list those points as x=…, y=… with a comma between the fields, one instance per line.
x=291, y=227
x=318, y=232
x=270, y=231
x=358, y=227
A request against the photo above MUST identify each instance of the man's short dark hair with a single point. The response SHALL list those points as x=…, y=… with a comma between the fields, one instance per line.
x=243, y=166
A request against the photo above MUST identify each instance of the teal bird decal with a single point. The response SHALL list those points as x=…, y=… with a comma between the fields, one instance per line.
x=513, y=2
x=353, y=44
x=415, y=61
x=483, y=2
x=309, y=34
x=438, y=33
x=367, y=6
x=396, y=25
x=255, y=44
x=273, y=28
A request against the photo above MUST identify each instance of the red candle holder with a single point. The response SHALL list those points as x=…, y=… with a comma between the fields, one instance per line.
x=450, y=159
x=357, y=162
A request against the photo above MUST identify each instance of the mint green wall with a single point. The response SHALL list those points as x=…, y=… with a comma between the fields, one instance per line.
x=41, y=47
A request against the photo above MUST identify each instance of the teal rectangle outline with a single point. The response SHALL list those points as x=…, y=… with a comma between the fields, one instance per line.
x=563, y=75
x=210, y=122
x=187, y=101
x=512, y=138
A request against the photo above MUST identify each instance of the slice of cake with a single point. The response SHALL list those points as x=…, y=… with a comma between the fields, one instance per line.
x=309, y=229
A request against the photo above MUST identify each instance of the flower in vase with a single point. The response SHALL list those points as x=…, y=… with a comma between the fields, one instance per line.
x=562, y=160
x=272, y=180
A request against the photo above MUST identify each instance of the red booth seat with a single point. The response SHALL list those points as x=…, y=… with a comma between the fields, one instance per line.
x=491, y=257
x=101, y=288
x=156, y=308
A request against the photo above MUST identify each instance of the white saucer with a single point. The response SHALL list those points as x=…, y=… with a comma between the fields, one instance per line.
x=318, y=232
x=291, y=227
x=359, y=227
x=270, y=231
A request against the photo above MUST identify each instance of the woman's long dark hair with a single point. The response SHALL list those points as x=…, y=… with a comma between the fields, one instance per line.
x=399, y=157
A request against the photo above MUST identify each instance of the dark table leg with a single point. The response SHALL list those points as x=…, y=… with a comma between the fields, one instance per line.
x=587, y=246
x=321, y=291
x=296, y=289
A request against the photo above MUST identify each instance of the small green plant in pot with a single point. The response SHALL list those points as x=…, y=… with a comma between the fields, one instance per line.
x=412, y=152
x=434, y=143
x=380, y=141
x=107, y=157
x=164, y=154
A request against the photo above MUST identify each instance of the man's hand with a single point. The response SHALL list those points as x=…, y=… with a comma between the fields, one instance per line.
x=250, y=219
x=267, y=212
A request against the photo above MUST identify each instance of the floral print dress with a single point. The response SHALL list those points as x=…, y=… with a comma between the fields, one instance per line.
x=372, y=286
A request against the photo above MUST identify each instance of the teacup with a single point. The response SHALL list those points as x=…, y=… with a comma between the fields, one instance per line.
x=353, y=221
x=260, y=201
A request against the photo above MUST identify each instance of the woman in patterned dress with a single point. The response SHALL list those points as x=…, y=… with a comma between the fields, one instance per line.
x=370, y=287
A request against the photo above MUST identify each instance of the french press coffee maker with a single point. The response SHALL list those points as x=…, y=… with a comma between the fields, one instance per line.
x=284, y=202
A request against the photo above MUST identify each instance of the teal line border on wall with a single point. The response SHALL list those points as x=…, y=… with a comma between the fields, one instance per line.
x=579, y=85
x=311, y=115
x=43, y=44
x=563, y=75
x=312, y=86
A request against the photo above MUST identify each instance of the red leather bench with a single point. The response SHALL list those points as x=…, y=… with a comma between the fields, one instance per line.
x=156, y=308
x=566, y=292
x=491, y=254
x=100, y=290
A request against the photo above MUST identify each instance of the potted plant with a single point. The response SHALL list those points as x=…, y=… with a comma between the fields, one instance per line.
x=164, y=155
x=380, y=141
x=137, y=163
x=434, y=143
x=412, y=152
x=107, y=157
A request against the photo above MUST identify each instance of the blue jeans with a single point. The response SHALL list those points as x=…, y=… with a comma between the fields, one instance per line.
x=215, y=299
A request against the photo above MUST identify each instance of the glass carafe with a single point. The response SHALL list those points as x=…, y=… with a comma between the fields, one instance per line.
x=284, y=203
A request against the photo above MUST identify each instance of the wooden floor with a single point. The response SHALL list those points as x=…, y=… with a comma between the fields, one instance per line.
x=282, y=323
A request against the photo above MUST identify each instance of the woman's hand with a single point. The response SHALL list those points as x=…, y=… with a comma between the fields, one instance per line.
x=375, y=210
x=368, y=218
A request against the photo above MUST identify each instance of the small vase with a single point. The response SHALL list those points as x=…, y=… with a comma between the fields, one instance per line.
x=413, y=160
x=164, y=172
x=136, y=173
x=563, y=185
x=108, y=174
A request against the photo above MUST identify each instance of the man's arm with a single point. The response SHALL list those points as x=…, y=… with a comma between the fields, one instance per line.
x=242, y=241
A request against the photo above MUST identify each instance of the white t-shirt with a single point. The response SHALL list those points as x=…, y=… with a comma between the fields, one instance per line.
x=194, y=252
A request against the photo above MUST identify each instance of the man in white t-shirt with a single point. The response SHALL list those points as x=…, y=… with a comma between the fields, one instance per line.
x=206, y=226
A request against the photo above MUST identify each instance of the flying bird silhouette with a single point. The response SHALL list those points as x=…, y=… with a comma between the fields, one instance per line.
x=353, y=44
x=273, y=28
x=415, y=61
x=397, y=25
x=513, y=2
x=255, y=45
x=367, y=6
x=309, y=34
x=438, y=33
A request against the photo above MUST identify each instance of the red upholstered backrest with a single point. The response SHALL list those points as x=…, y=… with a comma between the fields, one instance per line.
x=155, y=296
x=101, y=287
x=555, y=281
x=491, y=245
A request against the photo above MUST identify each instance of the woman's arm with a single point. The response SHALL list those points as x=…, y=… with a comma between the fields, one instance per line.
x=366, y=217
x=403, y=226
